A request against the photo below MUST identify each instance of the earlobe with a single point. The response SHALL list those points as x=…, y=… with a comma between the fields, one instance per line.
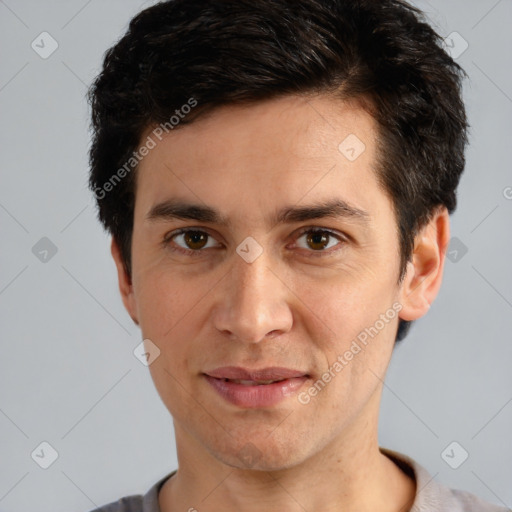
x=124, y=281
x=424, y=274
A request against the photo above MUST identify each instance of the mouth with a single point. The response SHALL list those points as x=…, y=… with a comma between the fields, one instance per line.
x=255, y=388
x=252, y=382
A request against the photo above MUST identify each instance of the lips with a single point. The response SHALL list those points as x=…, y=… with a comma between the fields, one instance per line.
x=255, y=388
x=253, y=382
x=273, y=373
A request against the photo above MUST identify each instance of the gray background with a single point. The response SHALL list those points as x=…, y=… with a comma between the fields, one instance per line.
x=68, y=375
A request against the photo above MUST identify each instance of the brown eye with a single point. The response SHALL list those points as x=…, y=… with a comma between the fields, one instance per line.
x=195, y=239
x=317, y=240
x=191, y=241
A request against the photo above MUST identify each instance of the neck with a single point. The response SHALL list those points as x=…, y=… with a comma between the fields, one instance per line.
x=349, y=474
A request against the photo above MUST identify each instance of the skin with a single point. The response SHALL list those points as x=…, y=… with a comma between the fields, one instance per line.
x=298, y=305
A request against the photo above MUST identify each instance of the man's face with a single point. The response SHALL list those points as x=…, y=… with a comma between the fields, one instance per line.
x=207, y=302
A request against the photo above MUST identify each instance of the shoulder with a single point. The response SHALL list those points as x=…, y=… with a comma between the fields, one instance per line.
x=441, y=498
x=137, y=502
x=432, y=496
x=126, y=504
x=464, y=501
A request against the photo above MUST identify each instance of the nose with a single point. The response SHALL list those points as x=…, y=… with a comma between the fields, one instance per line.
x=253, y=303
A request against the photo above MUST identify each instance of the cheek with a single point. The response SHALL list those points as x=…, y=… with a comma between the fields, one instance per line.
x=346, y=304
x=166, y=309
x=359, y=326
x=164, y=300
x=355, y=350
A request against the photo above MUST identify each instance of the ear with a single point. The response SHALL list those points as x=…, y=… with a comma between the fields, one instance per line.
x=424, y=275
x=125, y=282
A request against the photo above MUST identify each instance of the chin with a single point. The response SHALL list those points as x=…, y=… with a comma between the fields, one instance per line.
x=260, y=456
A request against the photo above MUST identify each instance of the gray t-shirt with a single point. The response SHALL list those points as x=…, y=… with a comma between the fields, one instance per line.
x=431, y=496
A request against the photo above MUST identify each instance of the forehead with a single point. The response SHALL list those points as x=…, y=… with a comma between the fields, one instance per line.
x=257, y=156
x=301, y=126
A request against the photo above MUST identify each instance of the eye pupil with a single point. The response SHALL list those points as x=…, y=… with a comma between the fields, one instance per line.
x=318, y=238
x=195, y=237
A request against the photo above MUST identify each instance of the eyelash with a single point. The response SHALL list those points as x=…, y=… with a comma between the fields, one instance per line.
x=343, y=239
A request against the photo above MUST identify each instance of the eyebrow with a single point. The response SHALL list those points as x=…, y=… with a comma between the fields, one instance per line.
x=335, y=208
